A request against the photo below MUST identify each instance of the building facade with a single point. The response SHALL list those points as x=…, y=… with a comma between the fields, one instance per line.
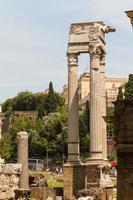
x=112, y=85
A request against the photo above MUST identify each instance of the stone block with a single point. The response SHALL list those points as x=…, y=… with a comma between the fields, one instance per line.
x=9, y=179
x=74, y=180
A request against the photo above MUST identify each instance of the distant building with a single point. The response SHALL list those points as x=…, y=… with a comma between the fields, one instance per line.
x=111, y=85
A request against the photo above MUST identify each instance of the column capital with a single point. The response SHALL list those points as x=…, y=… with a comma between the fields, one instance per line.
x=97, y=50
x=22, y=135
x=72, y=59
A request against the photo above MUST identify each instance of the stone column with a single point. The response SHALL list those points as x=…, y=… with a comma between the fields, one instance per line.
x=96, y=145
x=73, y=119
x=22, y=158
x=103, y=106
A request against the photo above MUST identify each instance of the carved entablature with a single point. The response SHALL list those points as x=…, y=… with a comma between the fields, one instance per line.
x=91, y=31
x=82, y=35
x=72, y=59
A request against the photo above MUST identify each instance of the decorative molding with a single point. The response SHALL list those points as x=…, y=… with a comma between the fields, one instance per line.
x=97, y=50
x=72, y=59
x=22, y=135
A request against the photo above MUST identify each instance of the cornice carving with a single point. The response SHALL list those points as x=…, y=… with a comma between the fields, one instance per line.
x=72, y=59
x=92, y=31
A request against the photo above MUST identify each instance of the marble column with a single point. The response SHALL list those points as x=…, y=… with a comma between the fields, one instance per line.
x=96, y=145
x=22, y=158
x=73, y=99
x=103, y=106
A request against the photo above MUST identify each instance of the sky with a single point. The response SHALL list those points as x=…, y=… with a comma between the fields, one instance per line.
x=34, y=37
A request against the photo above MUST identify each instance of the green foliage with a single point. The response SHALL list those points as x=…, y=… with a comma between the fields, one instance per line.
x=53, y=100
x=7, y=149
x=129, y=88
x=112, y=156
x=49, y=131
x=84, y=130
x=25, y=101
x=120, y=95
x=41, y=102
x=110, y=111
x=7, y=107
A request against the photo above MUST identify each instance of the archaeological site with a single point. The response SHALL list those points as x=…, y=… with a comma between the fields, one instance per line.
x=83, y=178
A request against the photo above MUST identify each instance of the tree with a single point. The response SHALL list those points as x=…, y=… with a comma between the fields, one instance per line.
x=129, y=89
x=53, y=100
x=84, y=129
x=7, y=107
x=120, y=94
x=25, y=101
x=40, y=102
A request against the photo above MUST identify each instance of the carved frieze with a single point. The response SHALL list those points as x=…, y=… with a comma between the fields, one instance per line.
x=72, y=59
x=83, y=29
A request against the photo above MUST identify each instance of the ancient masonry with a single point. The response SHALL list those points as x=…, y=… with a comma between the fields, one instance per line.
x=124, y=136
x=9, y=180
x=22, y=156
x=14, y=178
x=86, y=38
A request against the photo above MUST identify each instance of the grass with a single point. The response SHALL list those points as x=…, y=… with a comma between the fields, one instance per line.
x=114, y=180
x=53, y=180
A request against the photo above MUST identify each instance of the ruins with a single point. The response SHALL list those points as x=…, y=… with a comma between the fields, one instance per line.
x=86, y=38
x=22, y=158
x=123, y=123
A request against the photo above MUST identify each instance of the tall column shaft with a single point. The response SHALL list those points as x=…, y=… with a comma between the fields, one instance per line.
x=95, y=104
x=103, y=107
x=22, y=158
x=73, y=119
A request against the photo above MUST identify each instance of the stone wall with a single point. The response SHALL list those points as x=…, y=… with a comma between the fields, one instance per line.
x=124, y=138
x=9, y=179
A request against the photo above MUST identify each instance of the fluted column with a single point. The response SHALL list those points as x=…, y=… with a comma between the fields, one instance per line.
x=73, y=119
x=103, y=106
x=95, y=103
x=22, y=158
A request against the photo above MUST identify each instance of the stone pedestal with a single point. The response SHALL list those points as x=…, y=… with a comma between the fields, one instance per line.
x=74, y=180
x=92, y=175
x=22, y=156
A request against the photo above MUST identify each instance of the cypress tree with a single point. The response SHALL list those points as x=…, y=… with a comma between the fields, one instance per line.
x=129, y=89
x=120, y=94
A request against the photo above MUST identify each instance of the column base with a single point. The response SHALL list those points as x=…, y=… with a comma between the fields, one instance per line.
x=74, y=179
x=91, y=161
